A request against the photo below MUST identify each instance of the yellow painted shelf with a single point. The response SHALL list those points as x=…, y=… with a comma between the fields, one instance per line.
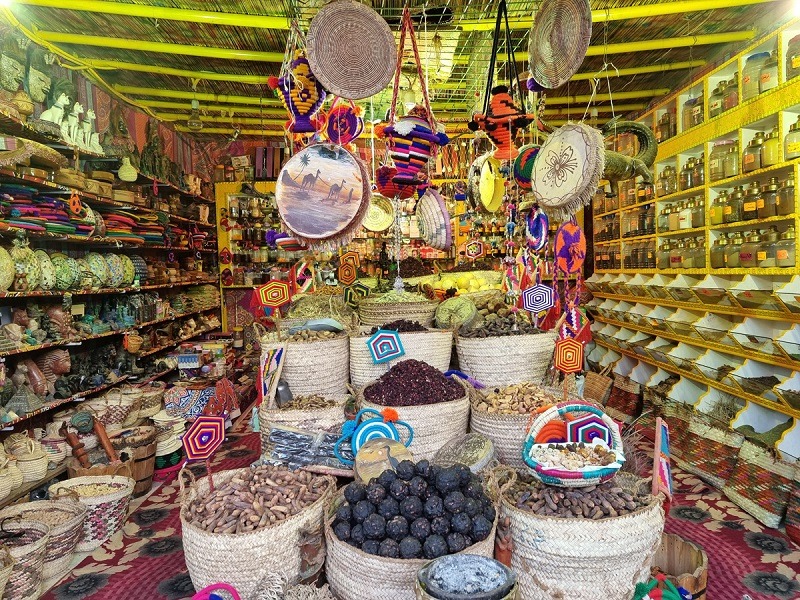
x=777, y=406
x=757, y=174
x=752, y=223
x=682, y=194
x=680, y=232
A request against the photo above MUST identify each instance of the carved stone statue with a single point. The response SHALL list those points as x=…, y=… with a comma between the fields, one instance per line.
x=117, y=140
x=70, y=127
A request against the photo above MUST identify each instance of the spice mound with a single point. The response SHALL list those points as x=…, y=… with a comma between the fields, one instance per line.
x=401, y=326
x=495, y=325
x=520, y=398
x=572, y=456
x=309, y=335
x=256, y=498
x=414, y=267
x=413, y=383
x=308, y=402
x=602, y=501
x=393, y=297
x=415, y=511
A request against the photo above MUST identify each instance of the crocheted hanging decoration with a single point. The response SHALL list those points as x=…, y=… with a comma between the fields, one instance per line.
x=523, y=166
x=569, y=248
x=537, y=229
x=301, y=94
x=501, y=123
x=412, y=141
x=344, y=123
x=384, y=180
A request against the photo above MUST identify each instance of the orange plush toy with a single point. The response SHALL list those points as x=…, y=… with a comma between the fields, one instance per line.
x=501, y=122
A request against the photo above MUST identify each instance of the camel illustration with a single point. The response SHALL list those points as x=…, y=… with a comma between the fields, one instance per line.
x=334, y=192
x=310, y=180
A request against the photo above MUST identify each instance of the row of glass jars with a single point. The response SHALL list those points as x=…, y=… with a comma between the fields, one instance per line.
x=640, y=255
x=684, y=214
x=756, y=202
x=687, y=253
x=760, y=73
x=765, y=249
x=606, y=228
x=607, y=257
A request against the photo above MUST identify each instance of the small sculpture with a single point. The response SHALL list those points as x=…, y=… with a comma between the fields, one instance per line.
x=12, y=64
x=20, y=317
x=39, y=61
x=20, y=282
x=70, y=127
x=87, y=130
x=117, y=140
x=36, y=378
x=55, y=114
x=52, y=365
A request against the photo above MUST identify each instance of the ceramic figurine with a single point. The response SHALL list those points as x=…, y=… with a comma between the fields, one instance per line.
x=20, y=282
x=70, y=127
x=87, y=129
x=39, y=61
x=36, y=378
x=53, y=364
x=55, y=114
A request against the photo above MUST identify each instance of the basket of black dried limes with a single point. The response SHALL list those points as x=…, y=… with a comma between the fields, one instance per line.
x=379, y=534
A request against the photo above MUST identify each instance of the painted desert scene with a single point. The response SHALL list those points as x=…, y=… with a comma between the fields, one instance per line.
x=319, y=191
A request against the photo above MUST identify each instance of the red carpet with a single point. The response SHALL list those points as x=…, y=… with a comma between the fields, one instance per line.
x=145, y=560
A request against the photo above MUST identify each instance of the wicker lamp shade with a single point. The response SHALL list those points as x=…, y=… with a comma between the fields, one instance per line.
x=351, y=50
x=559, y=39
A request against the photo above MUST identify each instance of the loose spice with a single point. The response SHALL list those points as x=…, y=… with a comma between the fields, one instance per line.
x=414, y=267
x=401, y=326
x=413, y=383
x=496, y=326
x=308, y=402
x=520, y=398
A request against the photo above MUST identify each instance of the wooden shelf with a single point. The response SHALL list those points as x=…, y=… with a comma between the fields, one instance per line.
x=176, y=342
x=752, y=223
x=125, y=290
x=693, y=191
x=680, y=232
x=776, y=406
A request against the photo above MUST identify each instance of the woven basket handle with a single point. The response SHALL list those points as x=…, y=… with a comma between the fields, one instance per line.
x=121, y=467
x=563, y=408
x=66, y=494
x=407, y=28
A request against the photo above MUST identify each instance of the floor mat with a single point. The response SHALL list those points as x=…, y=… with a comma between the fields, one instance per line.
x=145, y=561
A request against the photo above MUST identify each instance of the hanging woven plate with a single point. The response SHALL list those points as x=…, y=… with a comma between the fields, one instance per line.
x=474, y=180
x=568, y=169
x=380, y=214
x=323, y=194
x=559, y=39
x=351, y=49
x=434, y=220
x=492, y=185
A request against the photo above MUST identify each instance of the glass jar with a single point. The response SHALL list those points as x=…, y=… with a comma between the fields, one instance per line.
x=750, y=202
x=733, y=209
x=748, y=254
x=771, y=149
x=793, y=58
x=698, y=171
x=751, y=157
x=716, y=213
x=731, y=98
x=685, y=215
x=699, y=253
x=751, y=73
x=687, y=260
x=671, y=182
x=716, y=160
x=785, y=202
x=663, y=219
x=676, y=255
x=732, y=251
x=666, y=127
x=767, y=249
x=768, y=203
x=785, y=249
x=718, y=252
x=732, y=162
x=686, y=116
x=687, y=175
x=768, y=78
x=650, y=219
x=698, y=213
x=791, y=143
x=238, y=338
x=651, y=256
x=662, y=256
x=715, y=100
x=674, y=219
x=697, y=111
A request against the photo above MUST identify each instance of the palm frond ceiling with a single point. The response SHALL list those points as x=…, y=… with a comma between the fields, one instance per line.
x=457, y=58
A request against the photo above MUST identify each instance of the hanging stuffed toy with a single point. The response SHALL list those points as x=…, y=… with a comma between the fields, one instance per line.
x=412, y=139
x=501, y=122
x=301, y=94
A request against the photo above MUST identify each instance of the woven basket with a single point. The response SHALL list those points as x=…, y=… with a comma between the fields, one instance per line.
x=6, y=565
x=761, y=484
x=506, y=360
x=29, y=552
x=561, y=477
x=434, y=424
x=711, y=451
x=678, y=417
x=152, y=399
x=13, y=472
x=33, y=463
x=133, y=437
x=507, y=432
x=433, y=347
x=597, y=386
x=317, y=367
x=328, y=419
x=793, y=516
x=582, y=559
x=373, y=313
x=625, y=399
x=6, y=483
x=114, y=409
x=65, y=520
x=74, y=468
x=242, y=559
x=356, y=575
x=133, y=395
x=106, y=499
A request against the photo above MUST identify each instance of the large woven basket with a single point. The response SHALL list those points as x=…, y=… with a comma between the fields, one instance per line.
x=434, y=424
x=29, y=552
x=762, y=484
x=328, y=419
x=355, y=575
x=793, y=516
x=373, y=313
x=433, y=347
x=505, y=360
x=624, y=402
x=106, y=499
x=32, y=462
x=6, y=565
x=152, y=400
x=507, y=432
x=65, y=520
x=582, y=559
x=242, y=559
x=317, y=367
x=713, y=451
x=114, y=408
x=597, y=386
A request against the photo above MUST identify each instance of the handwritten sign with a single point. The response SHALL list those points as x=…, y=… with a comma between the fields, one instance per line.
x=662, y=472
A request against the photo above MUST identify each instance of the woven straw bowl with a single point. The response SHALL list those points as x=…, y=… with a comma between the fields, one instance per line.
x=559, y=39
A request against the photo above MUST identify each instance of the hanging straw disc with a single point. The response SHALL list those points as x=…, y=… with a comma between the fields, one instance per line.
x=559, y=39
x=351, y=49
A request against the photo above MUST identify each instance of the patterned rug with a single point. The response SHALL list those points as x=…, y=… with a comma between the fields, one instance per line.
x=145, y=560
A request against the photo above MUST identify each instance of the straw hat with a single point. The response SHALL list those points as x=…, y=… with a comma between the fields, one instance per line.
x=559, y=39
x=568, y=169
x=351, y=50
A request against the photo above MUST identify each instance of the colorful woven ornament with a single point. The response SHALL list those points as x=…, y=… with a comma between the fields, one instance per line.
x=384, y=180
x=274, y=294
x=501, y=122
x=537, y=229
x=344, y=123
x=355, y=293
x=301, y=94
x=347, y=273
x=568, y=356
x=587, y=429
x=412, y=141
x=538, y=298
x=385, y=345
x=570, y=247
x=523, y=165
x=553, y=432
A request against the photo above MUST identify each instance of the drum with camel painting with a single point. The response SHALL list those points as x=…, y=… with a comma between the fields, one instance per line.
x=323, y=194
